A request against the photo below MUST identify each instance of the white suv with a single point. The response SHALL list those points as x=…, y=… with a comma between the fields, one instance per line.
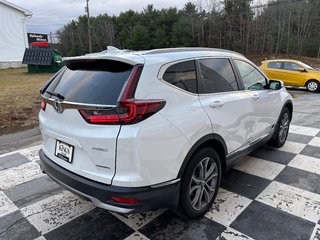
x=135, y=131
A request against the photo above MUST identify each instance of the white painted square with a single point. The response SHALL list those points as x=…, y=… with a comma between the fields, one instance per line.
x=292, y=147
x=227, y=207
x=304, y=130
x=306, y=163
x=20, y=174
x=292, y=200
x=32, y=153
x=137, y=236
x=6, y=205
x=316, y=233
x=259, y=167
x=315, y=142
x=40, y=238
x=231, y=234
x=138, y=220
x=55, y=211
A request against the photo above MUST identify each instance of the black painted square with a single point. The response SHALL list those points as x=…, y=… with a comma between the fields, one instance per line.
x=245, y=184
x=32, y=191
x=299, y=138
x=96, y=224
x=263, y=222
x=311, y=151
x=169, y=226
x=300, y=179
x=273, y=155
x=15, y=226
x=13, y=160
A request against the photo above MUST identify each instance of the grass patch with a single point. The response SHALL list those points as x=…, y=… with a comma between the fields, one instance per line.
x=20, y=99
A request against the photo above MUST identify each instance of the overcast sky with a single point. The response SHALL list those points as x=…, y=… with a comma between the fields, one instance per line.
x=49, y=16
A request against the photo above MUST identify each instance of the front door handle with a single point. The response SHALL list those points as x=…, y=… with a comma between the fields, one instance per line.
x=216, y=104
x=255, y=96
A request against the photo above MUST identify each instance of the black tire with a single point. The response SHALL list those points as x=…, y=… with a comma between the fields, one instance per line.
x=195, y=184
x=281, y=133
x=313, y=86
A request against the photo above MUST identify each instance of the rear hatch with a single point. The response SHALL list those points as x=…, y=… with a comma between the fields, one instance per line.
x=77, y=104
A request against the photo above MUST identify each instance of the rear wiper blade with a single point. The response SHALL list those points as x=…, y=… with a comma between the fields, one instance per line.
x=56, y=95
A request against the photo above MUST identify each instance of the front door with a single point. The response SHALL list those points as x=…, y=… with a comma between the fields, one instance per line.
x=265, y=103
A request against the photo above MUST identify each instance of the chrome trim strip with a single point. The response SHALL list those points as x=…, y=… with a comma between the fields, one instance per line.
x=166, y=183
x=74, y=105
x=243, y=147
x=95, y=201
x=250, y=143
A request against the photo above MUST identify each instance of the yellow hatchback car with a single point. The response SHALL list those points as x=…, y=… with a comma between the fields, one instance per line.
x=292, y=73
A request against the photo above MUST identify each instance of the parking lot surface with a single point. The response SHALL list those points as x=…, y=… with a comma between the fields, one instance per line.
x=271, y=194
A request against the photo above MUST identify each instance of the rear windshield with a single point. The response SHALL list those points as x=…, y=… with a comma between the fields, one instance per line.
x=92, y=83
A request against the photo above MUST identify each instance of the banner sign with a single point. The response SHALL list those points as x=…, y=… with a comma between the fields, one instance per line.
x=37, y=37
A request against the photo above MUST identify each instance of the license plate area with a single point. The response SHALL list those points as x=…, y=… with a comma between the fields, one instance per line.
x=64, y=151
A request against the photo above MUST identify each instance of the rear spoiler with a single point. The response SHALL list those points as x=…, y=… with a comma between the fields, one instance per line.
x=130, y=59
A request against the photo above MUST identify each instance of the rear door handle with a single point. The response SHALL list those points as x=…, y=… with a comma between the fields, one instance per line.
x=255, y=96
x=216, y=104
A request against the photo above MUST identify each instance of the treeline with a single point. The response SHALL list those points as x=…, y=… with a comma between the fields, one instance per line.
x=281, y=26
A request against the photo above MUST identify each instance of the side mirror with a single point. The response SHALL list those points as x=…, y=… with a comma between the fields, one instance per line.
x=275, y=84
x=302, y=70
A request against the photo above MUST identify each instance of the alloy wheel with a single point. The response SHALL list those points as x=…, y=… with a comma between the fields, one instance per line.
x=203, y=183
x=284, y=127
x=312, y=86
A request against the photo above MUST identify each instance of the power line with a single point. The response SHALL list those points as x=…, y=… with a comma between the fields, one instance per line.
x=57, y=8
x=270, y=4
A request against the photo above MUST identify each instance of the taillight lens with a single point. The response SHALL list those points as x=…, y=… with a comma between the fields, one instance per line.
x=127, y=112
x=43, y=105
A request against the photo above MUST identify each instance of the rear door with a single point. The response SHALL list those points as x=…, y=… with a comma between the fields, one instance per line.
x=265, y=102
x=274, y=71
x=68, y=139
x=228, y=108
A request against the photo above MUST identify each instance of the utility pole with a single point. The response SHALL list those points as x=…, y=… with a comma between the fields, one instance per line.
x=51, y=40
x=89, y=27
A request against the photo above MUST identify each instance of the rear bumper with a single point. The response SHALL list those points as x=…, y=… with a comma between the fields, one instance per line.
x=100, y=194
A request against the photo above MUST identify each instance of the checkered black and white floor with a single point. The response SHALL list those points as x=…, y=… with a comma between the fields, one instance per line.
x=272, y=194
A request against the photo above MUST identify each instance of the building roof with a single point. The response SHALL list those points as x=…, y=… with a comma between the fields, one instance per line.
x=25, y=11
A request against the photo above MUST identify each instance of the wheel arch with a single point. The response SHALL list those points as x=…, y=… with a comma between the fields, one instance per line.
x=312, y=79
x=288, y=104
x=214, y=141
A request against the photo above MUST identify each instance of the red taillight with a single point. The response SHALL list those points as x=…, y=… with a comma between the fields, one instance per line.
x=43, y=105
x=125, y=200
x=127, y=112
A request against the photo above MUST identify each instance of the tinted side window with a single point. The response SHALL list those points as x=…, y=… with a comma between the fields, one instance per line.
x=251, y=77
x=276, y=65
x=182, y=75
x=291, y=66
x=217, y=75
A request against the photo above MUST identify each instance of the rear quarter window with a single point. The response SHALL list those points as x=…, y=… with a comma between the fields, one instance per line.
x=92, y=83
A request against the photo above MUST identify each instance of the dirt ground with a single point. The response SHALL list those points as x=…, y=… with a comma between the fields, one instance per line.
x=20, y=99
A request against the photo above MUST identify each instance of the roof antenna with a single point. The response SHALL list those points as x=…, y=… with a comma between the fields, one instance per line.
x=113, y=49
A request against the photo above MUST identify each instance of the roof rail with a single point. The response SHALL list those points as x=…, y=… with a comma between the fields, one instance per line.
x=187, y=49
